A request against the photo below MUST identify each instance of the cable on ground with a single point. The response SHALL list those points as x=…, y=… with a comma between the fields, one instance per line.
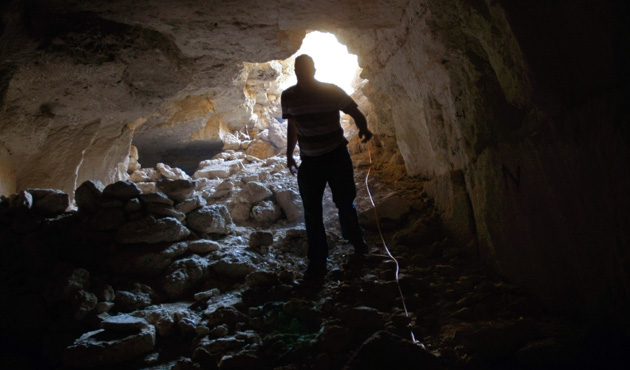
x=378, y=226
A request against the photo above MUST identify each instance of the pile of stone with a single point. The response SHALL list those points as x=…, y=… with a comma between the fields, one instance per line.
x=194, y=272
x=256, y=192
x=129, y=246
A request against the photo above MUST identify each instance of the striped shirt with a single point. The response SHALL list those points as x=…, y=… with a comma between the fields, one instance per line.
x=316, y=114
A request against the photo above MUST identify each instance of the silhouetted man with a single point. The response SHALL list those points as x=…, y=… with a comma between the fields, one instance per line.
x=312, y=109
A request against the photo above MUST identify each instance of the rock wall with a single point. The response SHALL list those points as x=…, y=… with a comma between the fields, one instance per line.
x=520, y=131
x=513, y=113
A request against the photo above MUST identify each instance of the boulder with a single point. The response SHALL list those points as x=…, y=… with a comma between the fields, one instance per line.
x=133, y=205
x=151, y=230
x=228, y=315
x=218, y=169
x=205, y=295
x=240, y=211
x=146, y=261
x=122, y=190
x=215, y=219
x=155, y=197
x=145, y=175
x=172, y=173
x=163, y=210
x=392, y=211
x=135, y=298
x=253, y=192
x=187, y=322
x=204, y=184
x=224, y=189
x=234, y=266
x=178, y=190
x=240, y=360
x=102, y=347
x=191, y=204
x=124, y=323
x=266, y=212
x=260, y=149
x=163, y=320
x=260, y=238
x=203, y=246
x=49, y=201
x=21, y=201
x=291, y=204
x=183, y=275
x=261, y=279
x=147, y=187
x=249, y=178
x=278, y=134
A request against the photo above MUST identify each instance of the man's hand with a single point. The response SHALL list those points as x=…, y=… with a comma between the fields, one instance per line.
x=365, y=135
x=292, y=165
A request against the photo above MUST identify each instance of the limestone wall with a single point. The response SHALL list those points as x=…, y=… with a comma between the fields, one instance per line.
x=522, y=144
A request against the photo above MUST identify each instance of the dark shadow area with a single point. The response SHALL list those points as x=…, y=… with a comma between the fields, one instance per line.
x=185, y=156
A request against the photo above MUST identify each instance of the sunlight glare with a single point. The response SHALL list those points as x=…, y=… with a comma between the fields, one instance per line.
x=333, y=63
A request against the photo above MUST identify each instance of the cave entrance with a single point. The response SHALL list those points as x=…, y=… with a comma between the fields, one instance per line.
x=333, y=63
x=266, y=81
x=265, y=133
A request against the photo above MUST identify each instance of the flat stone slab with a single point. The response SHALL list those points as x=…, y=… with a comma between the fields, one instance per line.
x=107, y=347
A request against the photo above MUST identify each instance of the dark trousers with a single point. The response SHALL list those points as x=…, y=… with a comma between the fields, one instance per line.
x=335, y=169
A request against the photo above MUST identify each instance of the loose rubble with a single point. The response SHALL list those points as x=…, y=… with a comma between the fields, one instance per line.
x=206, y=272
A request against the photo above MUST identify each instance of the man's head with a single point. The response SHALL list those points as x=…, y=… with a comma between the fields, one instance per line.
x=304, y=68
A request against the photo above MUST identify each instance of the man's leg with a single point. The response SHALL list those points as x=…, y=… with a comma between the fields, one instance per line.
x=341, y=181
x=312, y=184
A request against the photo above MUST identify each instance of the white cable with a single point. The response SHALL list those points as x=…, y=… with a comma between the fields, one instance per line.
x=378, y=226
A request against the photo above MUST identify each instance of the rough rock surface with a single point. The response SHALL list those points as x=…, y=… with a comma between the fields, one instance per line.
x=105, y=347
x=151, y=230
x=210, y=219
x=86, y=196
x=146, y=260
x=240, y=300
x=520, y=131
x=182, y=276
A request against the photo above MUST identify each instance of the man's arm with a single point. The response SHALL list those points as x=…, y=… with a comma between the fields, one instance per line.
x=291, y=141
x=361, y=122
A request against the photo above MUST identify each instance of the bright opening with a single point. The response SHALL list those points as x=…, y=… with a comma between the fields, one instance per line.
x=333, y=63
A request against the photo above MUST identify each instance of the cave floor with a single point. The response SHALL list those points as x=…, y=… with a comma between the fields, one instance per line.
x=459, y=312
